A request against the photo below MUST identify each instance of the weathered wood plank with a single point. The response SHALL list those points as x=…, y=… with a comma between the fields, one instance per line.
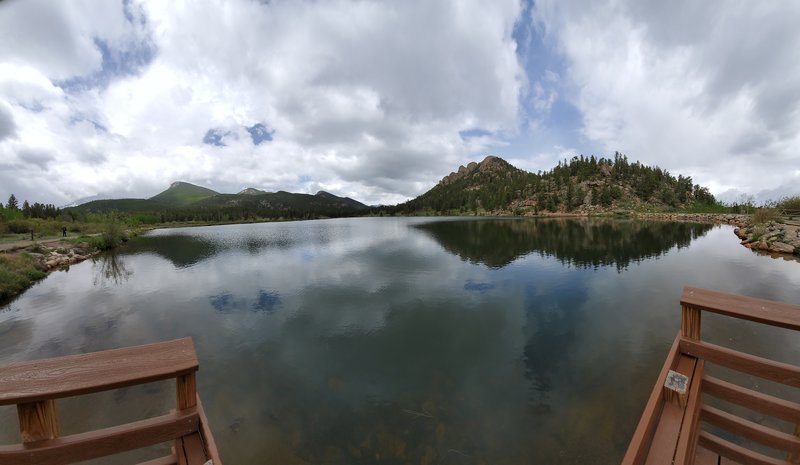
x=186, y=389
x=192, y=450
x=208, y=438
x=745, y=428
x=762, y=311
x=642, y=436
x=704, y=456
x=72, y=375
x=686, y=449
x=746, y=363
x=103, y=442
x=735, y=452
x=665, y=439
x=168, y=460
x=690, y=322
x=727, y=461
x=794, y=457
x=764, y=403
x=38, y=421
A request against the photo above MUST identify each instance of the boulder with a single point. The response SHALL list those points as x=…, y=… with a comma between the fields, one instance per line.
x=781, y=247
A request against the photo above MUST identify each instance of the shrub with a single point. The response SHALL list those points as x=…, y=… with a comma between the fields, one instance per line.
x=789, y=203
x=758, y=231
x=18, y=226
x=111, y=237
x=763, y=215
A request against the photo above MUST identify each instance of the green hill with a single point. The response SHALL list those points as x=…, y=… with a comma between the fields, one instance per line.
x=186, y=202
x=281, y=204
x=580, y=185
x=181, y=194
x=120, y=205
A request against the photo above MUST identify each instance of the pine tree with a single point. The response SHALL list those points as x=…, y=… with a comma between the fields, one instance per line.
x=12, y=203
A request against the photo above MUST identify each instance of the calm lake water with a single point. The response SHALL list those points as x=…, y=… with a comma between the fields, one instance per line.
x=401, y=340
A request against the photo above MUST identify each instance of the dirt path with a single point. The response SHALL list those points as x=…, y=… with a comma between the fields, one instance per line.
x=21, y=245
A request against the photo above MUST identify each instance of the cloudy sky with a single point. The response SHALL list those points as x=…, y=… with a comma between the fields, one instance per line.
x=379, y=100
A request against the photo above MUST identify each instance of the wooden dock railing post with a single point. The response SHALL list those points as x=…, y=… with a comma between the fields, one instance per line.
x=690, y=322
x=38, y=421
x=790, y=457
x=186, y=387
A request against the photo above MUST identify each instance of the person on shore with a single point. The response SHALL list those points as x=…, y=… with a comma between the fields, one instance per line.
x=63, y=231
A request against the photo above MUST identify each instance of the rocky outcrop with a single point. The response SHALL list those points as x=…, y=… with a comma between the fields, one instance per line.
x=462, y=172
x=773, y=236
x=490, y=163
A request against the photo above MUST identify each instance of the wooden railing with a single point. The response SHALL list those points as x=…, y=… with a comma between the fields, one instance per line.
x=35, y=386
x=673, y=434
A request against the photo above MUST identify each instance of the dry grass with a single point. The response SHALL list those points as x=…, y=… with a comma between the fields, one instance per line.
x=764, y=215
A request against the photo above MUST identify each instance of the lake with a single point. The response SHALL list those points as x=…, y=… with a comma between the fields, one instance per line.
x=401, y=340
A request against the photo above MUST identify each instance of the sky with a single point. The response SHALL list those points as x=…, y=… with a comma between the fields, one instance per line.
x=378, y=100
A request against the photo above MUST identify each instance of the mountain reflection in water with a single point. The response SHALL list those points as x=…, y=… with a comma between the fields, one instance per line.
x=579, y=242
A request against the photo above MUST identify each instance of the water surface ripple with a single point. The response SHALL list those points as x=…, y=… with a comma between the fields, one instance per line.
x=401, y=340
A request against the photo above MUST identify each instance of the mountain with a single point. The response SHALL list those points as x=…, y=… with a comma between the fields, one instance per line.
x=251, y=191
x=346, y=201
x=187, y=202
x=181, y=194
x=580, y=185
x=281, y=203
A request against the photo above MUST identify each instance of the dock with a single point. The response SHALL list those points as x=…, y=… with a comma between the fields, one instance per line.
x=35, y=386
x=679, y=426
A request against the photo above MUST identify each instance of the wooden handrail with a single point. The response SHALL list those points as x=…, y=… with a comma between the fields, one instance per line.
x=742, y=427
x=762, y=367
x=103, y=442
x=747, y=308
x=689, y=435
x=34, y=387
x=211, y=445
x=764, y=403
x=736, y=452
x=643, y=435
x=40, y=380
x=687, y=441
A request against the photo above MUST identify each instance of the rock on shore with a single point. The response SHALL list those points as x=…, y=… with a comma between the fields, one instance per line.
x=715, y=218
x=771, y=237
x=60, y=257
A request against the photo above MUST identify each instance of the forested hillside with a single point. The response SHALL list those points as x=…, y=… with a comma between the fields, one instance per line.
x=187, y=202
x=580, y=185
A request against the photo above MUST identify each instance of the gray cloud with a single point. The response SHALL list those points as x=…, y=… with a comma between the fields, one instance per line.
x=7, y=127
x=38, y=158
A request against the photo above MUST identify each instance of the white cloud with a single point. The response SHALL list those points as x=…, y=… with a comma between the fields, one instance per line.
x=371, y=99
x=365, y=98
x=704, y=89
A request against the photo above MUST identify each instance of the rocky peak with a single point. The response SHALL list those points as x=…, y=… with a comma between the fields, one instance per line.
x=251, y=191
x=490, y=163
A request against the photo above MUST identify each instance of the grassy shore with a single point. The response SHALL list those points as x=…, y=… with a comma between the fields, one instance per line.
x=17, y=273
